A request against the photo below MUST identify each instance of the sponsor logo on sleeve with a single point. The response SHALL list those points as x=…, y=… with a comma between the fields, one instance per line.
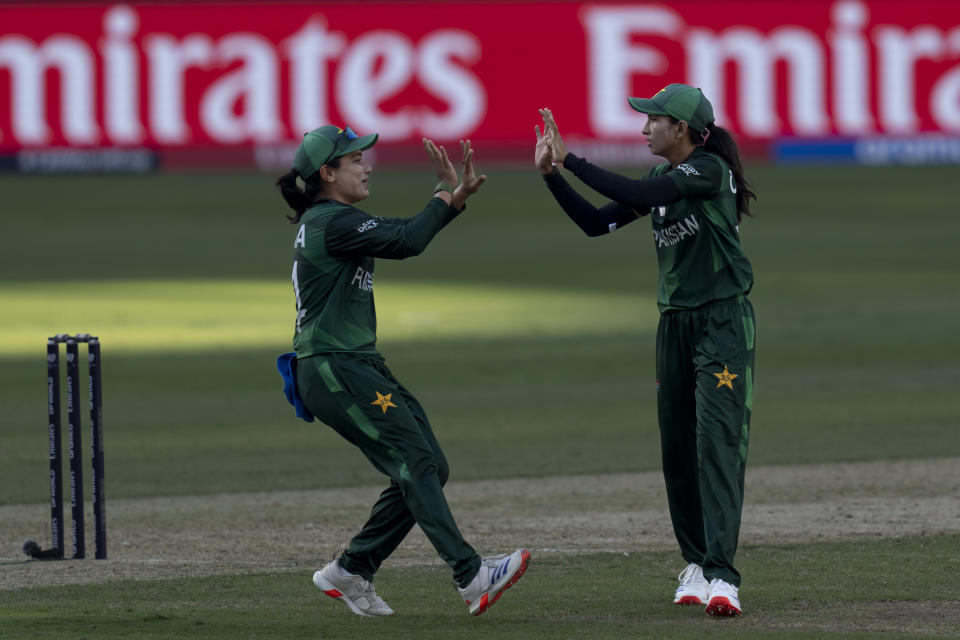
x=366, y=226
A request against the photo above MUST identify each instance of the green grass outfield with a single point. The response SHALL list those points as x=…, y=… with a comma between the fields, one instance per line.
x=530, y=345
x=561, y=598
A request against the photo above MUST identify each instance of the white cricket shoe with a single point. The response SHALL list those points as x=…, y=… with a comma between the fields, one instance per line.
x=352, y=590
x=693, y=587
x=496, y=575
x=724, y=599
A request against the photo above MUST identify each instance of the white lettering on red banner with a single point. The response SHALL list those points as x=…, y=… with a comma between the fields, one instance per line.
x=196, y=76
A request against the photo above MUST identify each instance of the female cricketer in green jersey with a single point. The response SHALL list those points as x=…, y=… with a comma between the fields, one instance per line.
x=705, y=338
x=337, y=374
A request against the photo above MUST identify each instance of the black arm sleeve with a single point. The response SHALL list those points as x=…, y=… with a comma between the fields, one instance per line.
x=638, y=194
x=593, y=221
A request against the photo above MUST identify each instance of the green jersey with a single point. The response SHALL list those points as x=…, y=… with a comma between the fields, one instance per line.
x=697, y=237
x=333, y=260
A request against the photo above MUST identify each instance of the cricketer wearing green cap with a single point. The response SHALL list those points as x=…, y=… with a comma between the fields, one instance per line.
x=337, y=374
x=326, y=143
x=681, y=102
x=705, y=339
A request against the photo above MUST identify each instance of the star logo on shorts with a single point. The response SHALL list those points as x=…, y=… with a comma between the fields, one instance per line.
x=725, y=378
x=383, y=401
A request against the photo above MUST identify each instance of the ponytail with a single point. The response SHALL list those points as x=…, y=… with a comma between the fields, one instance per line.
x=720, y=141
x=293, y=194
x=299, y=199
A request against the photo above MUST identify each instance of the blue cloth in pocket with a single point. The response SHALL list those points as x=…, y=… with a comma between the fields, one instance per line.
x=287, y=366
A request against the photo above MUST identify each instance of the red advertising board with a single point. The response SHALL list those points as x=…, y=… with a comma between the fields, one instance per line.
x=199, y=75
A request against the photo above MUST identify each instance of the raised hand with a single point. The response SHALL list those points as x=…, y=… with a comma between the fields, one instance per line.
x=557, y=147
x=543, y=152
x=470, y=182
x=441, y=163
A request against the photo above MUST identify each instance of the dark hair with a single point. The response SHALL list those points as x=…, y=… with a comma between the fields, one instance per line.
x=301, y=199
x=721, y=142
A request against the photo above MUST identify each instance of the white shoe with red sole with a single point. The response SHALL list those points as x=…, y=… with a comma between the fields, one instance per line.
x=496, y=575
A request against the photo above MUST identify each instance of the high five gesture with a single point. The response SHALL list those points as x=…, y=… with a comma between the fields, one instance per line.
x=469, y=182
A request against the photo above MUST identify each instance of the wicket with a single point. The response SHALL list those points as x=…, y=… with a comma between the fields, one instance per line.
x=74, y=447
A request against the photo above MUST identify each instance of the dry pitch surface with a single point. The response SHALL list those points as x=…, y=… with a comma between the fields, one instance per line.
x=157, y=538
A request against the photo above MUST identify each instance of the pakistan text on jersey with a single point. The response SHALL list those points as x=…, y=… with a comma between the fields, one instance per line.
x=676, y=232
x=363, y=279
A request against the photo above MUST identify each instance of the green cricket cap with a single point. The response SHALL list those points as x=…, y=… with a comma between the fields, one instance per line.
x=322, y=145
x=681, y=101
